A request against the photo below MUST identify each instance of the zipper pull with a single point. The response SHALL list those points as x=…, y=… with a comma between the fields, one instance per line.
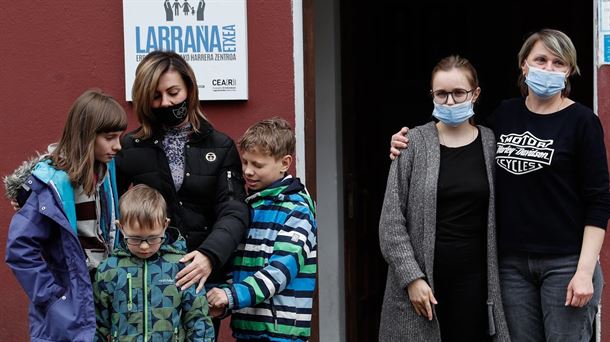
x=230, y=184
x=176, y=334
x=129, y=300
x=273, y=312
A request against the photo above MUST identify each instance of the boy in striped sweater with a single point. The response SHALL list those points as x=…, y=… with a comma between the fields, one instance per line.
x=274, y=269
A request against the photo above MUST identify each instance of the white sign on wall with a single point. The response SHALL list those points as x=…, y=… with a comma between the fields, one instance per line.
x=603, y=29
x=210, y=34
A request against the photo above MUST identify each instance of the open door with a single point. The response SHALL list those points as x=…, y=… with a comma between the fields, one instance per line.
x=388, y=51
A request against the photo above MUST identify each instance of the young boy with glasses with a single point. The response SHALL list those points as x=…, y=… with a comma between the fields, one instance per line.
x=135, y=288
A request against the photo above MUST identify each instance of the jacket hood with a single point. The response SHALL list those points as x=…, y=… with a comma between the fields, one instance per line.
x=174, y=244
x=287, y=189
x=14, y=181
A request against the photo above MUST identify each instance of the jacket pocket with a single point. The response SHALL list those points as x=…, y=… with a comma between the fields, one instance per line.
x=491, y=321
x=62, y=320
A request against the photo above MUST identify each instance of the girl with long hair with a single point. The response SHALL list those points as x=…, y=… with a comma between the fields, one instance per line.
x=66, y=227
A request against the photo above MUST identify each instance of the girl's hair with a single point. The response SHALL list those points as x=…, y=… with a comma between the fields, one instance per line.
x=148, y=73
x=143, y=205
x=559, y=44
x=457, y=62
x=92, y=113
x=273, y=137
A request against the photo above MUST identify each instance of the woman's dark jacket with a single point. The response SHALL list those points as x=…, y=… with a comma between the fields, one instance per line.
x=209, y=208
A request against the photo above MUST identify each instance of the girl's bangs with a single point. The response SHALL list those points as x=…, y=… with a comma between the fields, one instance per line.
x=112, y=119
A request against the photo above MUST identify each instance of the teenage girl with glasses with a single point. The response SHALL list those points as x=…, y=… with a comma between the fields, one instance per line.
x=437, y=226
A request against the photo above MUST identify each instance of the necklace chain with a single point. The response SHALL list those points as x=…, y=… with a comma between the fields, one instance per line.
x=528, y=102
x=559, y=105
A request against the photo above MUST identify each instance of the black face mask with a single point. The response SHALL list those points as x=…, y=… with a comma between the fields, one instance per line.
x=172, y=115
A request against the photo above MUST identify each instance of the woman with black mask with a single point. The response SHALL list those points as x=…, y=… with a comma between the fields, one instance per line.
x=195, y=167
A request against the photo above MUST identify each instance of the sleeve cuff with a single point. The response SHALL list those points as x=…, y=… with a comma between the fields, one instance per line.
x=213, y=259
x=229, y=294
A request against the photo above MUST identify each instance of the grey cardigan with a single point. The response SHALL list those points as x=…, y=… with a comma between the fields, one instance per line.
x=407, y=237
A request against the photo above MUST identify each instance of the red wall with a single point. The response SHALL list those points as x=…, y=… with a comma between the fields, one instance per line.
x=51, y=51
x=603, y=109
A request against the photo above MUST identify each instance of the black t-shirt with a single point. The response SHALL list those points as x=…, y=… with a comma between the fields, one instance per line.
x=462, y=205
x=552, y=177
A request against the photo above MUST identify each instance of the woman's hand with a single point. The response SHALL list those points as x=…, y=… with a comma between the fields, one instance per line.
x=580, y=290
x=421, y=297
x=197, y=271
x=399, y=142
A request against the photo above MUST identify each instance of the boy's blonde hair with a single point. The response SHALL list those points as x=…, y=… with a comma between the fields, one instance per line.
x=144, y=205
x=273, y=137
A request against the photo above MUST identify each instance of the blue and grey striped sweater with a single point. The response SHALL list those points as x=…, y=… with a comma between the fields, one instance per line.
x=274, y=273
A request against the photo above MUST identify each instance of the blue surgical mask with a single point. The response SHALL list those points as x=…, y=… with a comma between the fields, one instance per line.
x=545, y=83
x=453, y=115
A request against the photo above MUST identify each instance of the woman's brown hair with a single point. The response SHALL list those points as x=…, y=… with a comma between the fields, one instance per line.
x=457, y=62
x=148, y=73
x=92, y=113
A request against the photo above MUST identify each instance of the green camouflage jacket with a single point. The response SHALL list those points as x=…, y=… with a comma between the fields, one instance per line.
x=137, y=299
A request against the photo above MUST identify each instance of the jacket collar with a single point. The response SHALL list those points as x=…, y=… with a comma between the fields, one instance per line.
x=205, y=129
x=286, y=189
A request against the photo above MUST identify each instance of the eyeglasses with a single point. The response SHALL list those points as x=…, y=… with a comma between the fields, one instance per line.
x=458, y=95
x=151, y=240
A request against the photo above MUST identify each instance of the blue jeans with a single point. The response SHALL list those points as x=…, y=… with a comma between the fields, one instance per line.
x=534, y=288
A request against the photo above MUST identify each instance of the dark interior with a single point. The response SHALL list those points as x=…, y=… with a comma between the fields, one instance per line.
x=388, y=49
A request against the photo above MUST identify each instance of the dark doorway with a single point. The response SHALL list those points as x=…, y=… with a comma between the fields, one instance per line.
x=388, y=50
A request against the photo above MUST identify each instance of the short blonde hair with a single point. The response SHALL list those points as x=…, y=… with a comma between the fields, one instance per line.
x=144, y=205
x=560, y=45
x=273, y=137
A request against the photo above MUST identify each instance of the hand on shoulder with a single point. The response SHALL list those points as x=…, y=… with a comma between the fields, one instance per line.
x=399, y=142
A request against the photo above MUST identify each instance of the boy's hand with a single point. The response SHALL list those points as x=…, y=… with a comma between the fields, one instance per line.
x=197, y=271
x=15, y=205
x=217, y=298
